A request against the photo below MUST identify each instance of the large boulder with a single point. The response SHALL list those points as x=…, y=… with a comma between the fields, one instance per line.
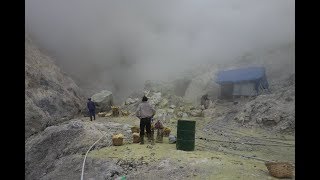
x=51, y=96
x=200, y=85
x=46, y=151
x=103, y=101
x=275, y=110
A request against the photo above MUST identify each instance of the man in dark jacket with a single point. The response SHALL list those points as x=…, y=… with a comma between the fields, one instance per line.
x=92, y=109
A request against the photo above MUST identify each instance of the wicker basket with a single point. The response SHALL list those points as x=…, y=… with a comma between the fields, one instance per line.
x=135, y=129
x=280, y=169
x=115, y=111
x=166, y=132
x=117, y=140
x=136, y=137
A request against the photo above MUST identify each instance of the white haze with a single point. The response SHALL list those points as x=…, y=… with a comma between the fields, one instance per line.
x=118, y=44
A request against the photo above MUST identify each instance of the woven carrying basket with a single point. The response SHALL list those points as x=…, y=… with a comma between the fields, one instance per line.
x=117, y=141
x=280, y=169
x=136, y=137
x=166, y=132
x=135, y=130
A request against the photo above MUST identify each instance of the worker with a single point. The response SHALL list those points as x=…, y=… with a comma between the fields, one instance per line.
x=205, y=101
x=92, y=109
x=145, y=113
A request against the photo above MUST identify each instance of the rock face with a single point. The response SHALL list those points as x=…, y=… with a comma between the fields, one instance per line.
x=103, y=101
x=275, y=110
x=51, y=96
x=58, y=151
x=200, y=85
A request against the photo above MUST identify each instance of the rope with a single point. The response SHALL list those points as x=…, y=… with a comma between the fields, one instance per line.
x=85, y=157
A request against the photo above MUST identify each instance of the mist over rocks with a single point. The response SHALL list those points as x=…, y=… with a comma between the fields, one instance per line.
x=118, y=45
x=171, y=51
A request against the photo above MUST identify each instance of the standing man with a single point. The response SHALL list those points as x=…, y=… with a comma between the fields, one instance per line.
x=145, y=112
x=92, y=109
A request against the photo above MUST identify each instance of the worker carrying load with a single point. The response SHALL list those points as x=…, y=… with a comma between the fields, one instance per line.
x=158, y=125
x=145, y=112
x=205, y=101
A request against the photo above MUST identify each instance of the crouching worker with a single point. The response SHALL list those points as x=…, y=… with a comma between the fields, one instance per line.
x=145, y=112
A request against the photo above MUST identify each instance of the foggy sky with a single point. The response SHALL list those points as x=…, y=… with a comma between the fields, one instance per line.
x=118, y=44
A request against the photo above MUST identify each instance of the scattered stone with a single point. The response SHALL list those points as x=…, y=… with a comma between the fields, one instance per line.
x=103, y=100
x=196, y=113
x=179, y=113
x=185, y=115
x=170, y=111
x=155, y=98
x=130, y=101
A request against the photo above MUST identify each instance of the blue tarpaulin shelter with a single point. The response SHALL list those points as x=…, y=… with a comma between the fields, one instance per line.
x=244, y=82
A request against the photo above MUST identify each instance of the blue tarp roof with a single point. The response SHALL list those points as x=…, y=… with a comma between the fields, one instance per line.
x=238, y=75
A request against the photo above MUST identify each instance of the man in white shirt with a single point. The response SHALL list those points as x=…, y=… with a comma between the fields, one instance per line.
x=145, y=112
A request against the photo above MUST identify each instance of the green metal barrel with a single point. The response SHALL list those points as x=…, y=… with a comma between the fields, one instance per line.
x=186, y=135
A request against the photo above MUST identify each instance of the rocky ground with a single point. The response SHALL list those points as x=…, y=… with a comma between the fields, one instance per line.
x=58, y=152
x=227, y=147
x=234, y=138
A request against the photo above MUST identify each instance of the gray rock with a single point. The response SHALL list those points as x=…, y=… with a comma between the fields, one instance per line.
x=196, y=113
x=103, y=101
x=131, y=101
x=52, y=147
x=164, y=103
x=51, y=96
x=170, y=111
x=172, y=139
x=179, y=113
x=271, y=110
x=69, y=167
x=208, y=112
x=185, y=115
x=155, y=99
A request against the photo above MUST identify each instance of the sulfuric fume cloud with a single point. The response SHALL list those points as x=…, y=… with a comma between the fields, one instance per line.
x=118, y=44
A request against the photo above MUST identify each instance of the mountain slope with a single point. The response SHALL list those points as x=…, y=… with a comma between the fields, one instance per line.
x=51, y=96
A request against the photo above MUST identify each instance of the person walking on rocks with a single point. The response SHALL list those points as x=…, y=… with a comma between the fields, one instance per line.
x=145, y=112
x=205, y=101
x=92, y=109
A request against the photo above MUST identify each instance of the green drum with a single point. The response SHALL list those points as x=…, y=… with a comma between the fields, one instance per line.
x=186, y=135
